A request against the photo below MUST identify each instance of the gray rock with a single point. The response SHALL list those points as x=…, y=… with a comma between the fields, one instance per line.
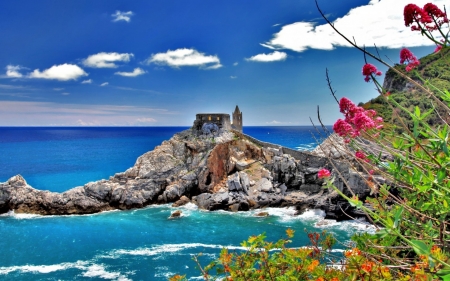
x=264, y=185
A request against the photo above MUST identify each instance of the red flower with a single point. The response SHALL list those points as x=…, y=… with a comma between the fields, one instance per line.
x=407, y=56
x=438, y=48
x=324, y=173
x=437, y=14
x=413, y=13
x=356, y=119
x=368, y=70
x=361, y=155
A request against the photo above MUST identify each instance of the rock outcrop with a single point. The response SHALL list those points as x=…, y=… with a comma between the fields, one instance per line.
x=219, y=170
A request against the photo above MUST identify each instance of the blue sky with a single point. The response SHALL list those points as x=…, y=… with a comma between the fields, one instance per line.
x=158, y=63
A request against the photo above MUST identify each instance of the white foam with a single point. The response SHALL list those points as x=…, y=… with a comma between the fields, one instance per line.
x=189, y=206
x=98, y=270
x=168, y=248
x=89, y=270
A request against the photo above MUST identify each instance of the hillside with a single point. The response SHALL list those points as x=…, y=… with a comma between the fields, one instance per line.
x=434, y=67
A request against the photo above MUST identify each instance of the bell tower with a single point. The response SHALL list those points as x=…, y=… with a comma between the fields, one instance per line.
x=237, y=119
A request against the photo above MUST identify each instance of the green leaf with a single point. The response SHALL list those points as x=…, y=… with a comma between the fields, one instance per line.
x=420, y=247
x=417, y=111
x=441, y=175
x=444, y=274
x=397, y=216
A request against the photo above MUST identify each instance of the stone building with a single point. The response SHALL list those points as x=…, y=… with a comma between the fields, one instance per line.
x=237, y=120
x=222, y=120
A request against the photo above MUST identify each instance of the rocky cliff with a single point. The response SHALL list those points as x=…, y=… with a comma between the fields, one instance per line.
x=220, y=170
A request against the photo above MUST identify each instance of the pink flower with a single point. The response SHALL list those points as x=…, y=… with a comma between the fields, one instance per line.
x=407, y=56
x=413, y=13
x=324, y=173
x=342, y=128
x=357, y=119
x=437, y=14
x=438, y=48
x=368, y=70
x=371, y=172
x=360, y=155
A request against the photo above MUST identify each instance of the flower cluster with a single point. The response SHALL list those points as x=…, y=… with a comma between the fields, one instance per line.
x=324, y=173
x=407, y=56
x=357, y=119
x=426, y=16
x=368, y=70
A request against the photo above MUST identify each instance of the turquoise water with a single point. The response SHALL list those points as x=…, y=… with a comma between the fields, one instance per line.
x=138, y=244
x=125, y=245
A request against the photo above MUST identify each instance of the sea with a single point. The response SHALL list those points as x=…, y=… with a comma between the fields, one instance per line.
x=141, y=244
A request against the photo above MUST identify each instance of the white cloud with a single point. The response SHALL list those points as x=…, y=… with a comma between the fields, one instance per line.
x=185, y=57
x=104, y=84
x=233, y=77
x=145, y=120
x=65, y=94
x=58, y=89
x=136, y=72
x=106, y=60
x=12, y=71
x=89, y=81
x=235, y=64
x=274, y=122
x=379, y=22
x=125, y=16
x=62, y=72
x=19, y=113
x=275, y=56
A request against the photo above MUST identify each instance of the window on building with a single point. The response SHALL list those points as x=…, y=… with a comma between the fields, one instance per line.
x=218, y=118
x=209, y=118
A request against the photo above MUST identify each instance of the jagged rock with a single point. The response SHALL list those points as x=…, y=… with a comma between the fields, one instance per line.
x=264, y=185
x=262, y=214
x=175, y=214
x=189, y=164
x=183, y=201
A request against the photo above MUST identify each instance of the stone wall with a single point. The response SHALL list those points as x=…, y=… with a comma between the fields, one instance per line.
x=222, y=120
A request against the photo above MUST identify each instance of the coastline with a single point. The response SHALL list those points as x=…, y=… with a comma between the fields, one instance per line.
x=147, y=182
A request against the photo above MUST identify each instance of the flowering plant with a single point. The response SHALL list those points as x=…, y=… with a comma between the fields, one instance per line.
x=411, y=191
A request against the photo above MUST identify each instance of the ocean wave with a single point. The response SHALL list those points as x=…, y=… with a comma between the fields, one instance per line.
x=306, y=146
x=167, y=249
x=22, y=216
x=88, y=269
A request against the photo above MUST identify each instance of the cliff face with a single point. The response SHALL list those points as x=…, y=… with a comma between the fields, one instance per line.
x=215, y=171
x=434, y=68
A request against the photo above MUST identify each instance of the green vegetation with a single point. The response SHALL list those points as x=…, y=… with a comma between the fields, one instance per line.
x=434, y=69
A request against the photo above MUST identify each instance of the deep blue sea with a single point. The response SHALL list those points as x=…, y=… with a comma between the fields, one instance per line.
x=126, y=245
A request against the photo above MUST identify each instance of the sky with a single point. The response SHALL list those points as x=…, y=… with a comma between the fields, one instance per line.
x=160, y=62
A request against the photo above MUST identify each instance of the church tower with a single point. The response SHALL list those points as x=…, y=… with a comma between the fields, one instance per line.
x=237, y=120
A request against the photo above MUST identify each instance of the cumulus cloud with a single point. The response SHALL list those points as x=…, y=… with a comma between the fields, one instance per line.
x=275, y=56
x=136, y=72
x=89, y=81
x=62, y=72
x=106, y=60
x=104, y=84
x=12, y=71
x=185, y=57
x=125, y=16
x=379, y=22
